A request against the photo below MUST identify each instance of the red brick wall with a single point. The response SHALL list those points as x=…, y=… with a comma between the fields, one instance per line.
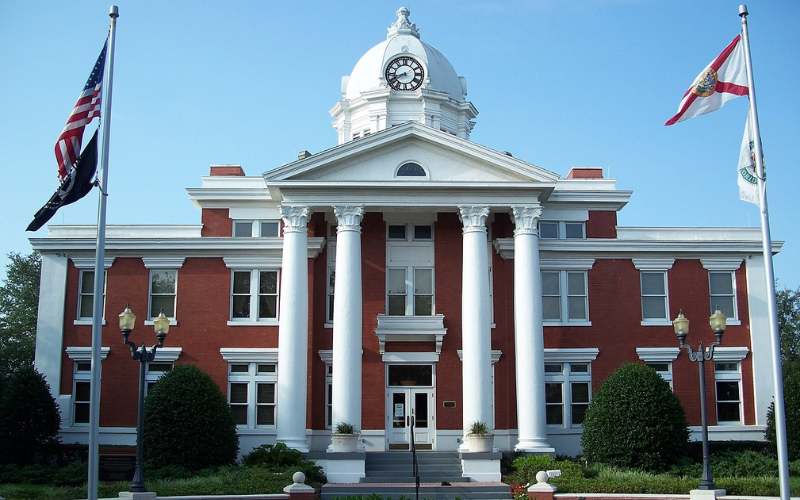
x=601, y=224
x=373, y=277
x=216, y=222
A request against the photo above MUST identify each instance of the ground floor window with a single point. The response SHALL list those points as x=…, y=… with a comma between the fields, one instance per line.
x=154, y=372
x=251, y=394
x=728, y=379
x=568, y=388
x=328, y=395
x=81, y=391
x=664, y=370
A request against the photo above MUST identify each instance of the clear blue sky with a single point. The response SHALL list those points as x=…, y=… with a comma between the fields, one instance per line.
x=557, y=83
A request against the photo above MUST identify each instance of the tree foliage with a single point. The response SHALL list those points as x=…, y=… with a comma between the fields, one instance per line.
x=19, y=302
x=188, y=423
x=635, y=421
x=791, y=402
x=789, y=322
x=29, y=417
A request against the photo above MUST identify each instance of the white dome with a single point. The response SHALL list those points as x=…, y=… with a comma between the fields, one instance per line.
x=403, y=39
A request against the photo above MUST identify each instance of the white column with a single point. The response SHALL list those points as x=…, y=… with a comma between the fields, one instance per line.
x=475, y=318
x=293, y=329
x=50, y=320
x=346, y=397
x=528, y=333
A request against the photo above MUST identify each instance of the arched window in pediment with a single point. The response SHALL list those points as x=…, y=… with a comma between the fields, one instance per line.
x=411, y=169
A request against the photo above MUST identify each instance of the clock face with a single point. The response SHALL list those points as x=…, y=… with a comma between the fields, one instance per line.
x=404, y=73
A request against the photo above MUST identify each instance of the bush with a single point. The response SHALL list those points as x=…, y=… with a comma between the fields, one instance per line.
x=29, y=418
x=280, y=458
x=635, y=421
x=188, y=423
x=525, y=468
x=791, y=402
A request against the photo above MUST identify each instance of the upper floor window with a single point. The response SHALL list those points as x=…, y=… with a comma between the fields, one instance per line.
x=411, y=169
x=255, y=228
x=410, y=232
x=86, y=293
x=163, y=292
x=555, y=230
x=565, y=296
x=251, y=394
x=722, y=290
x=654, y=295
x=254, y=295
x=568, y=390
x=409, y=291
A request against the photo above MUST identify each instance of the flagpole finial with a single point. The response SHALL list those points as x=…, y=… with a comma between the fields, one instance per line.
x=742, y=10
x=113, y=11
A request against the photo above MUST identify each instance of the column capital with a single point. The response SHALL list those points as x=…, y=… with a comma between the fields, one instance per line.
x=348, y=217
x=473, y=217
x=295, y=218
x=526, y=219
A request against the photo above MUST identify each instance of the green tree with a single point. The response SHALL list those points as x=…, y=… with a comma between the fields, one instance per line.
x=789, y=323
x=19, y=302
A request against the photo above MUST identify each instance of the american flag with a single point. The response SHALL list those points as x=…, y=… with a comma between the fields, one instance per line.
x=68, y=144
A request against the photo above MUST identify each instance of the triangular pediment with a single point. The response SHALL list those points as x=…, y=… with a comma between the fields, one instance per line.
x=444, y=157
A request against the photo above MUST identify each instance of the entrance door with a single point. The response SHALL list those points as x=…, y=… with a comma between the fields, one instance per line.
x=406, y=404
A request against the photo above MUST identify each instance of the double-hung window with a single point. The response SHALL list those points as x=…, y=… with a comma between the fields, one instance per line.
x=328, y=395
x=654, y=296
x=410, y=273
x=254, y=295
x=251, y=394
x=561, y=230
x=568, y=388
x=163, y=292
x=86, y=294
x=81, y=391
x=722, y=291
x=255, y=228
x=331, y=281
x=728, y=390
x=565, y=296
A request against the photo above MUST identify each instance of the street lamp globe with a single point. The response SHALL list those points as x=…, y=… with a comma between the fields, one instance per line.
x=718, y=323
x=127, y=320
x=161, y=326
x=681, y=326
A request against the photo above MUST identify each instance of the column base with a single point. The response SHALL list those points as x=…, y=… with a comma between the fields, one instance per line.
x=299, y=444
x=534, y=446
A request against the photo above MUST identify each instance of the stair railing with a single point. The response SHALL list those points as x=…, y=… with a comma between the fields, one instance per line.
x=414, y=462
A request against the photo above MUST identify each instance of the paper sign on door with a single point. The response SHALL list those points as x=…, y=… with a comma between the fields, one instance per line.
x=399, y=410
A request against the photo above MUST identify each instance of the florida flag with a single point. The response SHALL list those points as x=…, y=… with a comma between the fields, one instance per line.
x=722, y=80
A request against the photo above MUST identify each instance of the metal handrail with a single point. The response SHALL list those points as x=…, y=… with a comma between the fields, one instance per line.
x=414, y=463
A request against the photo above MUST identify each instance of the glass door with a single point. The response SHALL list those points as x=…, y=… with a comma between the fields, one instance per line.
x=406, y=404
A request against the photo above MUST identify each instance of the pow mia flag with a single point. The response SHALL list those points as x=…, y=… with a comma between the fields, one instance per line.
x=77, y=184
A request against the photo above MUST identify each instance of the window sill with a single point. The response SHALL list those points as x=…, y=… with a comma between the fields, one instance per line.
x=88, y=322
x=271, y=322
x=172, y=322
x=567, y=323
x=656, y=322
x=732, y=322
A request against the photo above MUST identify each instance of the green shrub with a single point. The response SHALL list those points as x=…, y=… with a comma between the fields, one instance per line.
x=280, y=458
x=188, y=423
x=635, y=421
x=29, y=418
x=525, y=468
x=791, y=402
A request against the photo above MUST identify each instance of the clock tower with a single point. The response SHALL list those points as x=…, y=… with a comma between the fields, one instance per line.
x=402, y=79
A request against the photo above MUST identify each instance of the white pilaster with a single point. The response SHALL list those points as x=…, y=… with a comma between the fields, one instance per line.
x=528, y=332
x=347, y=321
x=475, y=318
x=50, y=319
x=293, y=329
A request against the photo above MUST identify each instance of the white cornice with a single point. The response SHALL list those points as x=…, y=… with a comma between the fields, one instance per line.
x=495, y=355
x=88, y=262
x=85, y=353
x=567, y=264
x=249, y=355
x=326, y=355
x=720, y=264
x=252, y=262
x=657, y=354
x=724, y=353
x=168, y=354
x=114, y=231
x=566, y=355
x=654, y=263
x=163, y=262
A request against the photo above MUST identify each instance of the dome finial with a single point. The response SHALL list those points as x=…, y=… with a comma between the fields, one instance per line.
x=402, y=26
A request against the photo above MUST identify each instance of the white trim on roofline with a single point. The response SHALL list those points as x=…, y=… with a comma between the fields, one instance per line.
x=689, y=233
x=125, y=231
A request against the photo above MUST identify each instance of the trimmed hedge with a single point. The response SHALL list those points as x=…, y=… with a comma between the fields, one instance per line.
x=635, y=421
x=29, y=418
x=188, y=423
x=791, y=400
x=279, y=457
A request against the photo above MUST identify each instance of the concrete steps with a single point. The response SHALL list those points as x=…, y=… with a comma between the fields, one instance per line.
x=427, y=491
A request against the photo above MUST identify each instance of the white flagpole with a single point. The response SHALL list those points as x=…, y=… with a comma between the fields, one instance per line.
x=99, y=267
x=766, y=244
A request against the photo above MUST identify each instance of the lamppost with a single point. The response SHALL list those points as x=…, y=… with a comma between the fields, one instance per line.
x=127, y=320
x=700, y=356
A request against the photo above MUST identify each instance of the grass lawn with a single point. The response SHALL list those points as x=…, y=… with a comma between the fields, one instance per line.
x=227, y=480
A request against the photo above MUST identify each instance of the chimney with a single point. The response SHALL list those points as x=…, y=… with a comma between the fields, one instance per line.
x=302, y=155
x=585, y=173
x=227, y=171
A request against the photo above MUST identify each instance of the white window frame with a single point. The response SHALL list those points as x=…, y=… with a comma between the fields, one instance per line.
x=153, y=377
x=665, y=296
x=328, y=399
x=662, y=355
x=720, y=264
x=563, y=294
x=252, y=378
x=729, y=376
x=82, y=377
x=410, y=268
x=654, y=265
x=255, y=227
x=561, y=229
x=711, y=295
x=329, y=288
x=566, y=378
x=150, y=313
x=81, y=274
x=255, y=278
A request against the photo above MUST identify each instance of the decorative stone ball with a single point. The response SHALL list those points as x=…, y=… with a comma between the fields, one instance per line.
x=542, y=476
x=300, y=478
